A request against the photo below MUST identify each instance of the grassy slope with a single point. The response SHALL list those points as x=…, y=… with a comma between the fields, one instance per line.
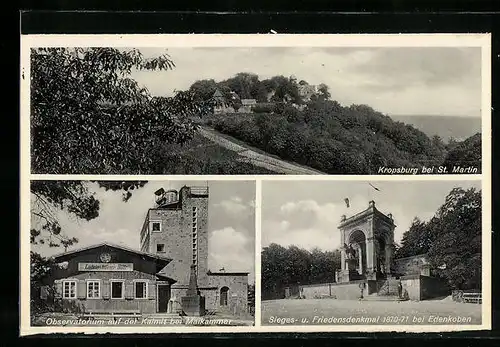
x=201, y=156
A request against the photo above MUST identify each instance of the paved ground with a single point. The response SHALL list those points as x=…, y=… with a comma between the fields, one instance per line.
x=256, y=157
x=331, y=312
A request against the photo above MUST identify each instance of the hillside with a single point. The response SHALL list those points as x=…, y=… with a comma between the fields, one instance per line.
x=445, y=127
x=335, y=139
x=201, y=156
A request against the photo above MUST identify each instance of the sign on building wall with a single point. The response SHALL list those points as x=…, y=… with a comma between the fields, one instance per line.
x=105, y=267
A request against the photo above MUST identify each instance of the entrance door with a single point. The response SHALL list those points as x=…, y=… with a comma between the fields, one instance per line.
x=223, y=296
x=163, y=297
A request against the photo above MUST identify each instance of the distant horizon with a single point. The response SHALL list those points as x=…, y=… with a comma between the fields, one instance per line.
x=391, y=80
x=435, y=115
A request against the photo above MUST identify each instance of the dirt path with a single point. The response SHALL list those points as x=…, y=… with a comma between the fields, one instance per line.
x=246, y=154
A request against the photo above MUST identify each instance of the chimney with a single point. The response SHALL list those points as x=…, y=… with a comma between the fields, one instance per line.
x=371, y=203
x=343, y=218
x=389, y=215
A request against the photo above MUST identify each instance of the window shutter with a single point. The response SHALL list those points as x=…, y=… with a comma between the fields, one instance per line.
x=151, y=290
x=44, y=292
x=58, y=289
x=129, y=290
x=106, y=293
x=81, y=289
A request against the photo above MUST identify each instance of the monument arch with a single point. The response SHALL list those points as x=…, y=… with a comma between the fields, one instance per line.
x=367, y=239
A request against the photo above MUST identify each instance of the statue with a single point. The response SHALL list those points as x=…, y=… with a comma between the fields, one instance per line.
x=350, y=252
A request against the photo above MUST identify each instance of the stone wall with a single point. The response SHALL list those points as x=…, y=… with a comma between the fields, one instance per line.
x=104, y=302
x=421, y=287
x=416, y=265
x=432, y=287
x=201, y=203
x=411, y=284
x=237, y=295
x=342, y=291
x=177, y=237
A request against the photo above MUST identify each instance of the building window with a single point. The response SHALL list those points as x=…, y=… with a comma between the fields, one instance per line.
x=160, y=248
x=93, y=289
x=117, y=290
x=223, y=296
x=156, y=226
x=141, y=290
x=69, y=289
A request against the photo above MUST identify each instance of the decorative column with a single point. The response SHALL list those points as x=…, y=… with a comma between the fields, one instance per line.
x=360, y=260
x=342, y=259
x=389, y=244
x=371, y=258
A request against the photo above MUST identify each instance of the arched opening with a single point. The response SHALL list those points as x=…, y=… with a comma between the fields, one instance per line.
x=357, y=249
x=223, y=296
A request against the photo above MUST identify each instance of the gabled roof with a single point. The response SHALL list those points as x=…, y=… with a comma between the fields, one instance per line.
x=66, y=255
x=218, y=94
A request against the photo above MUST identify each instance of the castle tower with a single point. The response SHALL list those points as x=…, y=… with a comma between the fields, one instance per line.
x=367, y=240
x=177, y=228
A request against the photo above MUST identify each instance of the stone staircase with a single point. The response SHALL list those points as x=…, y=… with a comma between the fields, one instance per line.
x=388, y=291
x=377, y=297
x=389, y=287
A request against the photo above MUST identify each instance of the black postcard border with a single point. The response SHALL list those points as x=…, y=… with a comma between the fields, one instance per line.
x=81, y=22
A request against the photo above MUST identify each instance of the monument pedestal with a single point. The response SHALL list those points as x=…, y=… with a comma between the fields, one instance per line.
x=350, y=275
x=193, y=305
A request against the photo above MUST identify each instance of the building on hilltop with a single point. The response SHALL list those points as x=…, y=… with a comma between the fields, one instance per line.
x=222, y=104
x=226, y=105
x=306, y=91
x=247, y=105
x=171, y=265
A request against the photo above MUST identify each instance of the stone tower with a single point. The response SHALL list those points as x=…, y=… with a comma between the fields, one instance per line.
x=177, y=228
x=367, y=240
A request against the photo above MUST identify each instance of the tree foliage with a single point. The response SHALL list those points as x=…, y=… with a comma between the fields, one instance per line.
x=332, y=138
x=75, y=198
x=452, y=239
x=466, y=153
x=89, y=116
x=290, y=266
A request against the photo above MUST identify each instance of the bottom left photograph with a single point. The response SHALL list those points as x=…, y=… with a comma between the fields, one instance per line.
x=142, y=253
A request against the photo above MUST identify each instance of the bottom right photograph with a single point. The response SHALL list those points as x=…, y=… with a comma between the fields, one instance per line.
x=385, y=252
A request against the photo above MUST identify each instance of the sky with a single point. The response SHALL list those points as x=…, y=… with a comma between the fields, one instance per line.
x=308, y=214
x=231, y=222
x=443, y=81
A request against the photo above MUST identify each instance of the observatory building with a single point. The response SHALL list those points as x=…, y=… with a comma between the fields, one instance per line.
x=168, y=273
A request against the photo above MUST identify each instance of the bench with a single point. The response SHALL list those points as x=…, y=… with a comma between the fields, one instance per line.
x=475, y=298
x=112, y=314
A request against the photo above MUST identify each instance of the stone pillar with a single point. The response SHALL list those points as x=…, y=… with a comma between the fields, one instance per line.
x=343, y=263
x=360, y=260
x=193, y=304
x=371, y=255
x=388, y=259
x=342, y=259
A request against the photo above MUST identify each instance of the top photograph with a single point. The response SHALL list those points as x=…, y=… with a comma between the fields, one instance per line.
x=254, y=105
